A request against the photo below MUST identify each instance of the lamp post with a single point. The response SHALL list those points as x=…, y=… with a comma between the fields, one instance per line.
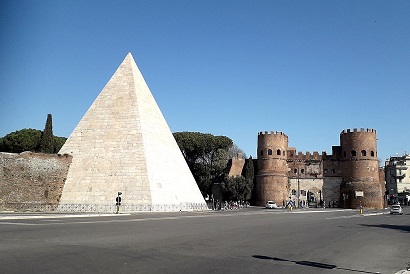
x=298, y=191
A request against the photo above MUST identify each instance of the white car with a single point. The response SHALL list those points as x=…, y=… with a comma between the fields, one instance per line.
x=396, y=209
x=271, y=204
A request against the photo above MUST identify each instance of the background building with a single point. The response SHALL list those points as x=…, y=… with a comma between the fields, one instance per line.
x=398, y=179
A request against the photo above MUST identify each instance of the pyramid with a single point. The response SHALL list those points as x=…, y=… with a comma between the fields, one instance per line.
x=123, y=144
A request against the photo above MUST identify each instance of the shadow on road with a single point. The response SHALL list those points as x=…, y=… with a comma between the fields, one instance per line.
x=405, y=228
x=311, y=264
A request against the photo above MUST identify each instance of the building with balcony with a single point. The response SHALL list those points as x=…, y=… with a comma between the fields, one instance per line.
x=397, y=174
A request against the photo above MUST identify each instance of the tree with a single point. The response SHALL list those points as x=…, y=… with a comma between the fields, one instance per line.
x=206, y=156
x=27, y=140
x=234, y=150
x=47, y=137
x=239, y=187
x=58, y=143
x=249, y=174
x=236, y=188
x=22, y=140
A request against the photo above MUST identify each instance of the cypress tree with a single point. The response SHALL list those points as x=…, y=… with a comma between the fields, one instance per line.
x=249, y=171
x=47, y=137
x=249, y=174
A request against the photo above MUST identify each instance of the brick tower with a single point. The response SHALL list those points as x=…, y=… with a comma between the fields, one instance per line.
x=272, y=170
x=360, y=177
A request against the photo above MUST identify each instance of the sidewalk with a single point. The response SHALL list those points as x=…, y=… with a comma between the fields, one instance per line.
x=11, y=215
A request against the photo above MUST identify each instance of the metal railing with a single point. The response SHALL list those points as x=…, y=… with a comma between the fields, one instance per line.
x=106, y=208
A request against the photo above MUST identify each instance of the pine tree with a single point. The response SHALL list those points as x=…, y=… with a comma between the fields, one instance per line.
x=249, y=174
x=47, y=137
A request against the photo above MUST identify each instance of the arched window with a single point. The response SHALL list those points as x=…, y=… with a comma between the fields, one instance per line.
x=353, y=152
x=295, y=170
x=278, y=152
x=269, y=151
x=363, y=152
x=302, y=171
x=261, y=151
x=372, y=153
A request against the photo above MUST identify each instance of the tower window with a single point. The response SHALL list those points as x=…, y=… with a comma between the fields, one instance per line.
x=363, y=152
x=261, y=151
x=333, y=171
x=344, y=153
x=278, y=152
x=302, y=171
x=269, y=151
x=295, y=170
x=372, y=153
x=353, y=152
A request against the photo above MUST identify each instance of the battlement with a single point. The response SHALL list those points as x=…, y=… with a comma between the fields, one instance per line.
x=307, y=156
x=271, y=133
x=348, y=131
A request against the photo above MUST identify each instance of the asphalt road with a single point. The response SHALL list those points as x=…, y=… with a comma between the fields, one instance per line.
x=251, y=240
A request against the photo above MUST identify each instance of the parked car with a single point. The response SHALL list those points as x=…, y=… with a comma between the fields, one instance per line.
x=271, y=204
x=396, y=209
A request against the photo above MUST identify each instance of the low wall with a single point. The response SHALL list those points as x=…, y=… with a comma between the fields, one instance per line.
x=32, y=181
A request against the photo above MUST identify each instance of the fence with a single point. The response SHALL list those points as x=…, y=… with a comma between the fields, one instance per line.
x=107, y=207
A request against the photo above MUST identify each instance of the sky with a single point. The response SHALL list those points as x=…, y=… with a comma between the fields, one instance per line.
x=309, y=69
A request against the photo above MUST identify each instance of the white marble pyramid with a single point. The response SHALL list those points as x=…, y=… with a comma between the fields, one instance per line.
x=123, y=144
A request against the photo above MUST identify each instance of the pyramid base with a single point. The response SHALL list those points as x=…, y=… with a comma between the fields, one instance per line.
x=129, y=208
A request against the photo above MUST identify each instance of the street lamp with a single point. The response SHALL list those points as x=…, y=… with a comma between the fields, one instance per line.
x=298, y=191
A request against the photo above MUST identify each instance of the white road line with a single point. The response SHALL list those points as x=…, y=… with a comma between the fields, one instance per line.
x=56, y=222
x=355, y=216
x=9, y=223
x=57, y=216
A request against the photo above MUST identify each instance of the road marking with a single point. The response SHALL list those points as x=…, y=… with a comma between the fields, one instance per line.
x=58, y=216
x=9, y=223
x=219, y=214
x=356, y=216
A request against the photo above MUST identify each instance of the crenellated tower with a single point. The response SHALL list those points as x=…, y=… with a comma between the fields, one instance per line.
x=272, y=170
x=360, y=175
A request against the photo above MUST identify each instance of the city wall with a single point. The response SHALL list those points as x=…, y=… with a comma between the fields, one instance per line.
x=32, y=181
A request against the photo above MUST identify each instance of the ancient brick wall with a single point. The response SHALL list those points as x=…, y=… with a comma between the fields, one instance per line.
x=351, y=171
x=360, y=169
x=236, y=165
x=272, y=169
x=32, y=181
